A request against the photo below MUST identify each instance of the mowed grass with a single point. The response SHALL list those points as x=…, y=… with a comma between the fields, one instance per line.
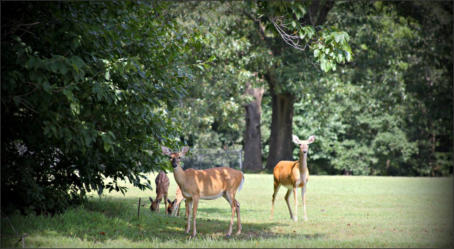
x=343, y=211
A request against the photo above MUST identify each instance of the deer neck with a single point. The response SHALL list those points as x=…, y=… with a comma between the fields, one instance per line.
x=303, y=162
x=179, y=175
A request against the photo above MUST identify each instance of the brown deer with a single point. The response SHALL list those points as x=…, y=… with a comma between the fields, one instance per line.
x=207, y=184
x=173, y=207
x=293, y=175
x=162, y=188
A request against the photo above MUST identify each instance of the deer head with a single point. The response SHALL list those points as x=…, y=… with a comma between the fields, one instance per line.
x=154, y=205
x=303, y=144
x=170, y=205
x=175, y=156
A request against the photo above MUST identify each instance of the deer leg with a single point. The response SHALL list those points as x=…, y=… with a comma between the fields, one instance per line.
x=295, y=218
x=188, y=215
x=229, y=197
x=287, y=195
x=186, y=206
x=195, y=203
x=165, y=203
x=303, y=195
x=238, y=219
x=276, y=189
x=177, y=209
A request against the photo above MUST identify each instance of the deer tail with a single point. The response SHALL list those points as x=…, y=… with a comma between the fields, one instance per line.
x=241, y=184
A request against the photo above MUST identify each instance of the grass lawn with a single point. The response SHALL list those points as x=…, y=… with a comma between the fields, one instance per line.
x=343, y=211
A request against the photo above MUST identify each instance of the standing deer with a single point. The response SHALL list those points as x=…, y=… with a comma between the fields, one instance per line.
x=173, y=207
x=293, y=175
x=207, y=184
x=162, y=188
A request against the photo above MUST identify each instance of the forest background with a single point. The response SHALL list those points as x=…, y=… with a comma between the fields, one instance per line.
x=90, y=90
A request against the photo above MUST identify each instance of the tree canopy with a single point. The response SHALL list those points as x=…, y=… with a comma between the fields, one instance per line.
x=87, y=88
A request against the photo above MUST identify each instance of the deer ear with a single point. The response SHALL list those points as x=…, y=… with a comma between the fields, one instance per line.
x=151, y=199
x=165, y=150
x=184, y=151
x=168, y=200
x=296, y=140
x=311, y=139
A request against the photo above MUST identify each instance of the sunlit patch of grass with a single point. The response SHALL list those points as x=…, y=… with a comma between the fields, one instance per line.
x=343, y=212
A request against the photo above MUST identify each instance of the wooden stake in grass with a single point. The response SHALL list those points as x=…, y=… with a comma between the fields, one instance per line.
x=138, y=210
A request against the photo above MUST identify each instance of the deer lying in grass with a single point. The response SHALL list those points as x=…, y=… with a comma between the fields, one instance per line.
x=173, y=207
x=162, y=188
x=208, y=184
x=293, y=175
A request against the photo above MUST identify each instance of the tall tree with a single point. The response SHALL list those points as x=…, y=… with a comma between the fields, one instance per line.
x=226, y=82
x=294, y=34
x=252, y=133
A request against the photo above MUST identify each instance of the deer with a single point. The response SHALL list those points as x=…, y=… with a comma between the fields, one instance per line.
x=293, y=175
x=162, y=188
x=206, y=184
x=173, y=207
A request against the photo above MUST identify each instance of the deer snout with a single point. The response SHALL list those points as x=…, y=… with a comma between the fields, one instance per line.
x=175, y=162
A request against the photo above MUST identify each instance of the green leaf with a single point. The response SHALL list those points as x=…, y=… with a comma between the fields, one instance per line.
x=348, y=56
x=293, y=24
x=75, y=108
x=47, y=88
x=69, y=94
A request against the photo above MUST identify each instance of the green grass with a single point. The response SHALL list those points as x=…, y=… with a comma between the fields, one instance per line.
x=343, y=211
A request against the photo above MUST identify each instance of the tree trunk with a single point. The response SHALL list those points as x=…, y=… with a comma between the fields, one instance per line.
x=281, y=129
x=252, y=135
x=433, y=161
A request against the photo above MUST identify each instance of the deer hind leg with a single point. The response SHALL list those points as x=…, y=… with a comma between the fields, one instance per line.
x=231, y=199
x=276, y=189
x=178, y=208
x=238, y=221
x=287, y=195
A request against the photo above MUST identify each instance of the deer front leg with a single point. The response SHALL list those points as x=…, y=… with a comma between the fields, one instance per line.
x=303, y=195
x=188, y=215
x=195, y=203
x=295, y=218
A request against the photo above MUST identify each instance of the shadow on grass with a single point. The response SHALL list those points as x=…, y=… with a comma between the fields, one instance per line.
x=109, y=219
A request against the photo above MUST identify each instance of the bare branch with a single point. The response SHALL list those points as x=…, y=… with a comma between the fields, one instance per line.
x=291, y=39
